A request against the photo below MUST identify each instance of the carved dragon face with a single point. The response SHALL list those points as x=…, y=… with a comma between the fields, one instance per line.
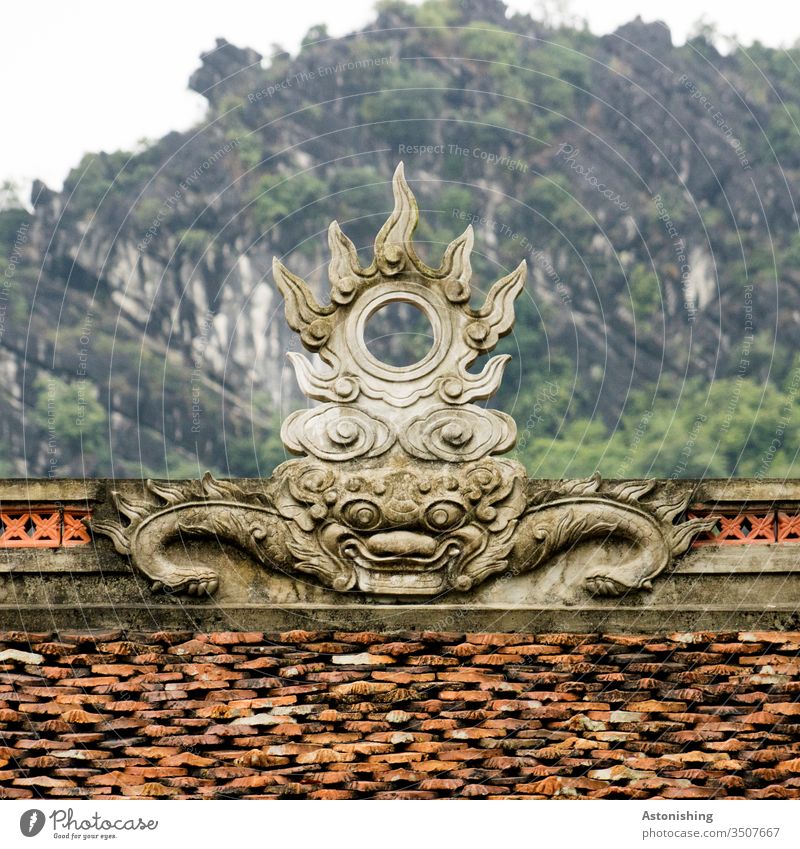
x=403, y=528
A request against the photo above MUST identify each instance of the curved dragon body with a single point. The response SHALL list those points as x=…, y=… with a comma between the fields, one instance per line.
x=153, y=530
x=227, y=521
x=649, y=541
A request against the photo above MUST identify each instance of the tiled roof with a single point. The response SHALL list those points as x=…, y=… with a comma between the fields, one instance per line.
x=408, y=715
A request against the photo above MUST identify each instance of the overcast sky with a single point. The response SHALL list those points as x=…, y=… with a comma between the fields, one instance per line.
x=89, y=75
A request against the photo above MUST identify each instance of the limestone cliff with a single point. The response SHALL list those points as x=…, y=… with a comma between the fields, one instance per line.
x=649, y=186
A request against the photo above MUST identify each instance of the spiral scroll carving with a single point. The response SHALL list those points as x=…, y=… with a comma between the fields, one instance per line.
x=337, y=433
x=458, y=434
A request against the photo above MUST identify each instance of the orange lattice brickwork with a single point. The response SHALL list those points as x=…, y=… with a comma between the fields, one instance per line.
x=74, y=530
x=748, y=528
x=788, y=527
x=54, y=526
x=43, y=526
x=34, y=527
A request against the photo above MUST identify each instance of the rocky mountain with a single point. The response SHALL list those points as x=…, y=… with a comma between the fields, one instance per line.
x=651, y=187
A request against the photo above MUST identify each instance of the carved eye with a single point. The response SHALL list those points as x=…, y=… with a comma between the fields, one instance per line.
x=444, y=515
x=362, y=515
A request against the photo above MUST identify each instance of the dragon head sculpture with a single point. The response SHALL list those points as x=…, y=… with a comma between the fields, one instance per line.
x=398, y=528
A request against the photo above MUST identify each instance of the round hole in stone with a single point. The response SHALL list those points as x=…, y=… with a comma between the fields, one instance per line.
x=398, y=334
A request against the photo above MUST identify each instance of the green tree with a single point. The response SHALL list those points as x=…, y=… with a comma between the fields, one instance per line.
x=73, y=423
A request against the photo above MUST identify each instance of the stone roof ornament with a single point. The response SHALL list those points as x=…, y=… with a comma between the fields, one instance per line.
x=400, y=494
x=371, y=404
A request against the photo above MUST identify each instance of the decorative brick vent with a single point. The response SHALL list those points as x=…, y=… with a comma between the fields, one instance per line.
x=339, y=715
x=54, y=525
x=744, y=528
x=42, y=526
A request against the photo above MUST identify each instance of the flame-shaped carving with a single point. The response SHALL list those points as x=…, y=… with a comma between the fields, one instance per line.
x=460, y=332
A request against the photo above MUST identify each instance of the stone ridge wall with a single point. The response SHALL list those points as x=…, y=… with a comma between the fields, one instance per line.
x=740, y=573
x=407, y=715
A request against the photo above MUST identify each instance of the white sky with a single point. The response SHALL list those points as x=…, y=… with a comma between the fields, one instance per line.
x=89, y=75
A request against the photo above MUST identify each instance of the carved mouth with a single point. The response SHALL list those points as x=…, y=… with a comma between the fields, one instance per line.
x=401, y=562
x=355, y=549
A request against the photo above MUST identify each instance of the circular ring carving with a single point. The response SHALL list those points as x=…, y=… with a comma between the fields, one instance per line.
x=378, y=297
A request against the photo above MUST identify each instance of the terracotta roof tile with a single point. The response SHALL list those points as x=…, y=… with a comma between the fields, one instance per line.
x=426, y=714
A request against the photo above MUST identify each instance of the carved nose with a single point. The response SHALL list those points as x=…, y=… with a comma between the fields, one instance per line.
x=400, y=511
x=400, y=542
